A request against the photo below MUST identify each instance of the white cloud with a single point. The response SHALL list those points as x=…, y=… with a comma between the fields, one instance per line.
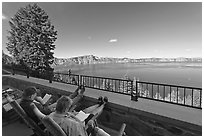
x=3, y=17
x=113, y=40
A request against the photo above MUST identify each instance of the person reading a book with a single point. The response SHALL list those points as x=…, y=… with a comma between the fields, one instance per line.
x=73, y=123
x=27, y=100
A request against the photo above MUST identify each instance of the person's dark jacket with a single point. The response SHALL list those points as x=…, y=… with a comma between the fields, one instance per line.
x=26, y=105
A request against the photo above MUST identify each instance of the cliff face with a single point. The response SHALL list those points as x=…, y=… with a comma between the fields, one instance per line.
x=90, y=59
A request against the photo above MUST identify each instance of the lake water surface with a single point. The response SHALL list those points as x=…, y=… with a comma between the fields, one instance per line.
x=185, y=74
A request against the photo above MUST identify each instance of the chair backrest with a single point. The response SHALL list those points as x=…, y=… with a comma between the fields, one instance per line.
x=24, y=116
x=49, y=123
x=53, y=127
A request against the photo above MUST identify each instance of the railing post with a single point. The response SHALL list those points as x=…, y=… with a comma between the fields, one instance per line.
x=192, y=98
x=200, y=98
x=13, y=70
x=184, y=96
x=81, y=81
x=134, y=96
x=127, y=82
x=136, y=92
x=50, y=72
x=27, y=72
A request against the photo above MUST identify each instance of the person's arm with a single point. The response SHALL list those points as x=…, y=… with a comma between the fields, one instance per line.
x=52, y=107
x=40, y=100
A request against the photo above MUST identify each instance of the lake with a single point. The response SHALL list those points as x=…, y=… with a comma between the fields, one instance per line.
x=185, y=74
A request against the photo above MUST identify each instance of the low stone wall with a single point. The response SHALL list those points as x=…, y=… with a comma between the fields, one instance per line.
x=138, y=122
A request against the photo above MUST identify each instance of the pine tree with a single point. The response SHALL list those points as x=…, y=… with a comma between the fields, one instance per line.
x=31, y=38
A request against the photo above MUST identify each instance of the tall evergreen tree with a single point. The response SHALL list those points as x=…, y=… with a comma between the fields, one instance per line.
x=31, y=38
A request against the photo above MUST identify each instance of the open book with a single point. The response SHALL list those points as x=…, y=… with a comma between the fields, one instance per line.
x=46, y=97
x=82, y=116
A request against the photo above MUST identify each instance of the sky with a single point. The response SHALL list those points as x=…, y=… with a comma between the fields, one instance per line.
x=120, y=29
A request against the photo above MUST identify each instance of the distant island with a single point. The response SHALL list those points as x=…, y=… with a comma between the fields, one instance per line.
x=91, y=59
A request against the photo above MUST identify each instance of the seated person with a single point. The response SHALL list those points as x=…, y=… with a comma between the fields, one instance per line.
x=67, y=120
x=31, y=93
x=28, y=97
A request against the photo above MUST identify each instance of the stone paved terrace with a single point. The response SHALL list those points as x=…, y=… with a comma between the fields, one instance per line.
x=155, y=109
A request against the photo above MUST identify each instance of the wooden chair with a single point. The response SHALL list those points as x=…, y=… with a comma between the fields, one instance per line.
x=37, y=130
x=51, y=126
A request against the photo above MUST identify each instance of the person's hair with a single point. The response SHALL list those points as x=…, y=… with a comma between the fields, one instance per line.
x=63, y=103
x=29, y=91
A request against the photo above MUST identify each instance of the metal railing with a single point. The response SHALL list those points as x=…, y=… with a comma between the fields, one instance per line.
x=121, y=86
x=16, y=70
x=66, y=78
x=181, y=95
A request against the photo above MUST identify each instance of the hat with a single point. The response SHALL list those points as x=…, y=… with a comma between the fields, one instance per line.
x=29, y=91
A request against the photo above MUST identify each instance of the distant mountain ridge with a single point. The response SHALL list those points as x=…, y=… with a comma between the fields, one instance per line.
x=91, y=59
